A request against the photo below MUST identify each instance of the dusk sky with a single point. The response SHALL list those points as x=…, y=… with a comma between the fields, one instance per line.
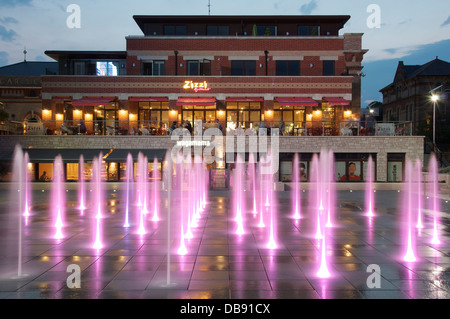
x=411, y=31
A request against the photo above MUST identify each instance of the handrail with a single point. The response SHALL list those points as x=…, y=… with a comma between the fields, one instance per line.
x=161, y=128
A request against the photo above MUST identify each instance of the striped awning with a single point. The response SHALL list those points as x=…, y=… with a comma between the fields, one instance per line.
x=87, y=101
x=296, y=101
x=336, y=101
x=148, y=99
x=196, y=101
x=245, y=99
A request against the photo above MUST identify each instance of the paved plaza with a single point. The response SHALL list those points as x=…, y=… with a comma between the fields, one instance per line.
x=222, y=265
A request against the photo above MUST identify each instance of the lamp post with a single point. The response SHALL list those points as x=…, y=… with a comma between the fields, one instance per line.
x=434, y=98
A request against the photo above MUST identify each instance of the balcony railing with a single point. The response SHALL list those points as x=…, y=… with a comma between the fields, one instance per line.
x=113, y=128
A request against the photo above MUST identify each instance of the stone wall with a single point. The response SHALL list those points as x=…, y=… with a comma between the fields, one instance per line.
x=412, y=146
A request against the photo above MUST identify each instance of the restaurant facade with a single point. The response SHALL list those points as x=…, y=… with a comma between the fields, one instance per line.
x=239, y=74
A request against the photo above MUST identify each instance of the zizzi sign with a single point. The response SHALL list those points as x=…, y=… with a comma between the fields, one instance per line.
x=196, y=86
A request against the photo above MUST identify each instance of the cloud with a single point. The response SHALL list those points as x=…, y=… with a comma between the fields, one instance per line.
x=307, y=8
x=7, y=35
x=446, y=22
x=8, y=20
x=3, y=58
x=15, y=3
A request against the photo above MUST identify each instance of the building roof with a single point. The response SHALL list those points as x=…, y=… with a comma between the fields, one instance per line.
x=30, y=68
x=141, y=20
x=435, y=67
x=58, y=55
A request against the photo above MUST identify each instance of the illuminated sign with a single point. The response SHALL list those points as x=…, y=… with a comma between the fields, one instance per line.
x=196, y=86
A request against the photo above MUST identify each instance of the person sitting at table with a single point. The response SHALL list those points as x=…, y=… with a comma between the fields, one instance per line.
x=82, y=127
x=65, y=129
x=218, y=125
x=173, y=127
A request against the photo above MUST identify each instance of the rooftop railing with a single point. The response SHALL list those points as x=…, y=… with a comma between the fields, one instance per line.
x=146, y=128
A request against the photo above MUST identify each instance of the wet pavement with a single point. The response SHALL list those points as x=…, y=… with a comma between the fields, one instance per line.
x=222, y=265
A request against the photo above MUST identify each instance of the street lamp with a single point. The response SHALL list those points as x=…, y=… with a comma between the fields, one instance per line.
x=435, y=99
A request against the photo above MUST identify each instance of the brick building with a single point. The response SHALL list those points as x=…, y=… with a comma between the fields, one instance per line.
x=294, y=72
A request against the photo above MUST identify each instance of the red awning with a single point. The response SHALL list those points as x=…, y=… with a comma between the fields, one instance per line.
x=93, y=101
x=296, y=101
x=148, y=99
x=196, y=101
x=337, y=101
x=245, y=99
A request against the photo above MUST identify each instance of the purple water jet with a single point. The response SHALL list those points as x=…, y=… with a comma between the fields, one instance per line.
x=369, y=189
x=81, y=186
x=128, y=180
x=155, y=188
x=295, y=190
x=58, y=197
x=434, y=193
x=408, y=207
x=97, y=201
x=419, y=192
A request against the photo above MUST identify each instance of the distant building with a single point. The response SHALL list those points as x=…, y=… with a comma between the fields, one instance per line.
x=20, y=89
x=408, y=97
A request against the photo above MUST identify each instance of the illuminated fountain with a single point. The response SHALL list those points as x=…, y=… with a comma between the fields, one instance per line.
x=11, y=232
x=81, y=186
x=316, y=202
x=180, y=174
x=97, y=201
x=27, y=186
x=369, y=189
x=142, y=178
x=272, y=208
x=128, y=184
x=238, y=195
x=261, y=197
x=190, y=181
x=434, y=192
x=408, y=209
x=253, y=181
x=322, y=200
x=419, y=193
x=58, y=201
x=295, y=190
x=155, y=188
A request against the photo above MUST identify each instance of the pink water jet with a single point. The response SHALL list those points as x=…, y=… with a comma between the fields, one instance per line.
x=142, y=178
x=238, y=196
x=419, y=193
x=271, y=244
x=97, y=200
x=27, y=186
x=330, y=191
x=129, y=179
x=315, y=195
x=434, y=193
x=81, y=186
x=190, y=198
x=369, y=189
x=261, y=197
x=155, y=184
x=295, y=190
x=253, y=181
x=182, y=250
x=408, y=207
x=58, y=196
